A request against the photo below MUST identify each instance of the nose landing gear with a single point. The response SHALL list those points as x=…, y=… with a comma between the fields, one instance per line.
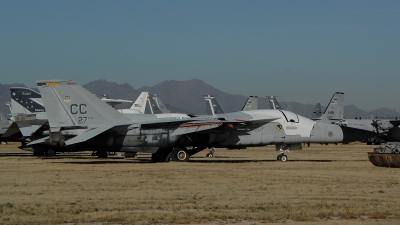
x=282, y=157
x=282, y=150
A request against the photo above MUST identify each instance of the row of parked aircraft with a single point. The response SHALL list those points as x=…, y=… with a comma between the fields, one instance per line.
x=66, y=117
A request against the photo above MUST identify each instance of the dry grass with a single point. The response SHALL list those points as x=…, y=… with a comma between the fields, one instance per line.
x=332, y=184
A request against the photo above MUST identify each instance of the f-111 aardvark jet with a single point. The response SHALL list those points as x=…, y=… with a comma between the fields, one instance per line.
x=79, y=121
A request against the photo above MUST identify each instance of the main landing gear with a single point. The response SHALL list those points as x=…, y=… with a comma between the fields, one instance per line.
x=182, y=154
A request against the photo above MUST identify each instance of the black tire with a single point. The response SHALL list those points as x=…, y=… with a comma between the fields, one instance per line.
x=210, y=155
x=180, y=155
x=278, y=157
x=102, y=154
x=50, y=153
x=283, y=158
x=162, y=155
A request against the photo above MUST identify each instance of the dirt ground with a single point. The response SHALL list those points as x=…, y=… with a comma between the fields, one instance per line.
x=330, y=184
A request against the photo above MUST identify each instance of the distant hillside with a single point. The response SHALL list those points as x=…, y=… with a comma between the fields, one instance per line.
x=188, y=97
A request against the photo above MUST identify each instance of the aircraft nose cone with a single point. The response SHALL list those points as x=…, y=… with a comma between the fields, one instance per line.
x=351, y=134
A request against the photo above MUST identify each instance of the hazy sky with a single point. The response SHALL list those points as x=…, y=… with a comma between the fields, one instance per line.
x=300, y=50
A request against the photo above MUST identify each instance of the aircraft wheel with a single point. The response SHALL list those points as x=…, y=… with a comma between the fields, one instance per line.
x=283, y=158
x=180, y=155
x=51, y=153
x=162, y=155
x=102, y=154
x=210, y=155
x=278, y=157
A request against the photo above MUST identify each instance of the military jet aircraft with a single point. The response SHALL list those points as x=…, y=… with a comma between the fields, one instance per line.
x=334, y=113
x=80, y=121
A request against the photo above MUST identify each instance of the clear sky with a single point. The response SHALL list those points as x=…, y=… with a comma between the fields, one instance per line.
x=300, y=50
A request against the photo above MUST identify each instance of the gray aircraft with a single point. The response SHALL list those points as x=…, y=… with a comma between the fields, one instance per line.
x=79, y=121
x=334, y=113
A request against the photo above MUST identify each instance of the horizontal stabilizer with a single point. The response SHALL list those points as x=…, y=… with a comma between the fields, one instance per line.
x=38, y=141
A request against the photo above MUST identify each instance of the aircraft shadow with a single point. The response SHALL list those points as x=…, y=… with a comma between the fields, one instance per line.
x=253, y=160
x=147, y=161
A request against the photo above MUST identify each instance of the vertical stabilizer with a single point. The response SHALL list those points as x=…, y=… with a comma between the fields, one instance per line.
x=152, y=106
x=27, y=110
x=26, y=101
x=335, y=108
x=273, y=103
x=317, y=111
x=160, y=104
x=140, y=103
x=212, y=105
x=251, y=103
x=70, y=105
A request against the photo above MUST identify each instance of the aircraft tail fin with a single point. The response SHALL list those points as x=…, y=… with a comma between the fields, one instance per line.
x=212, y=105
x=335, y=108
x=152, y=106
x=317, y=111
x=160, y=104
x=140, y=103
x=25, y=101
x=273, y=103
x=251, y=103
x=70, y=105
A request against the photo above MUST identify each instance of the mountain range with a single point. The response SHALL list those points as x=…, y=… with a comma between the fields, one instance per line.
x=188, y=97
